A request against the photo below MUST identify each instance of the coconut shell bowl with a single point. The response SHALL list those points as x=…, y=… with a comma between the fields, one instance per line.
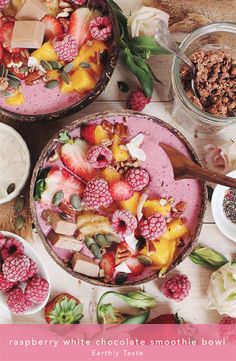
x=65, y=73
x=105, y=202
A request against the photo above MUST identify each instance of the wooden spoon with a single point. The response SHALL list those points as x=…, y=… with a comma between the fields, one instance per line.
x=185, y=168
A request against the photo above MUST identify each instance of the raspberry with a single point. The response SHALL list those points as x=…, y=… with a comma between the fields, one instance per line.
x=6, y=285
x=99, y=156
x=17, y=301
x=97, y=194
x=123, y=222
x=228, y=329
x=138, y=178
x=101, y=28
x=153, y=227
x=37, y=289
x=177, y=287
x=79, y=2
x=15, y=267
x=12, y=247
x=3, y=4
x=228, y=320
x=66, y=47
x=137, y=100
x=2, y=240
x=32, y=270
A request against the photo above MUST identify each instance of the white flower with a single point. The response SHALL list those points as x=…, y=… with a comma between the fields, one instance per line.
x=221, y=158
x=222, y=290
x=145, y=21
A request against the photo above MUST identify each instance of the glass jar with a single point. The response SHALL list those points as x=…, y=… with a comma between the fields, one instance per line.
x=213, y=36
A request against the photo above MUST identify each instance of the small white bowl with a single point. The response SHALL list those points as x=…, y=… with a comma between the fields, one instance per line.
x=18, y=138
x=225, y=226
x=42, y=272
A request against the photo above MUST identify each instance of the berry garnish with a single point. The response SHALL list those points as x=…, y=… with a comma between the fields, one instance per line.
x=87, y=132
x=101, y=28
x=138, y=178
x=66, y=47
x=15, y=267
x=36, y=290
x=79, y=25
x=135, y=266
x=4, y=3
x=137, y=100
x=17, y=301
x=12, y=247
x=97, y=194
x=31, y=272
x=54, y=27
x=107, y=263
x=120, y=190
x=153, y=227
x=123, y=222
x=63, y=309
x=6, y=285
x=177, y=287
x=227, y=320
x=99, y=156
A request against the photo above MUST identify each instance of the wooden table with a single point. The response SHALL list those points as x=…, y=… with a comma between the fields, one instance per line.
x=193, y=308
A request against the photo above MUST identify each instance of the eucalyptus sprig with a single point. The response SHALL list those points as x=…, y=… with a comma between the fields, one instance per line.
x=106, y=313
x=136, y=51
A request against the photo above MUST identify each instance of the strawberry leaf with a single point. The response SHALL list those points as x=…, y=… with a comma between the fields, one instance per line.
x=63, y=138
x=40, y=184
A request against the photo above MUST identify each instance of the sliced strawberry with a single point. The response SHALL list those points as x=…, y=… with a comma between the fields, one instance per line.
x=65, y=24
x=120, y=190
x=59, y=179
x=54, y=27
x=107, y=263
x=87, y=132
x=74, y=156
x=6, y=33
x=79, y=24
x=168, y=318
x=135, y=267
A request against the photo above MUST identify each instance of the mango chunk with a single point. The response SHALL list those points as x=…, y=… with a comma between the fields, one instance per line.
x=66, y=88
x=110, y=174
x=82, y=81
x=89, y=51
x=16, y=99
x=131, y=204
x=175, y=230
x=152, y=206
x=46, y=52
x=100, y=134
x=119, y=154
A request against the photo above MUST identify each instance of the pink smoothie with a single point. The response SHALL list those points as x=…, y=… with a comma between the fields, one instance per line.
x=162, y=182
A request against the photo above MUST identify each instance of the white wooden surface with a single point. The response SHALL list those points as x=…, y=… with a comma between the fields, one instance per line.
x=193, y=308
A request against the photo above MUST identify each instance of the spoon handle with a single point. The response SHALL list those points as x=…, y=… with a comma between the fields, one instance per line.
x=196, y=172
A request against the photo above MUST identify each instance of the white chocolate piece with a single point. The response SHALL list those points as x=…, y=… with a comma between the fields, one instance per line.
x=31, y=10
x=28, y=34
x=85, y=265
x=65, y=242
x=58, y=224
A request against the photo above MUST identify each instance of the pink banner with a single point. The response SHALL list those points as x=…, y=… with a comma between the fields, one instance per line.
x=135, y=342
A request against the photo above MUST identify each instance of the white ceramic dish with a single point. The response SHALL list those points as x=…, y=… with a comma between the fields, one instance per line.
x=42, y=271
x=22, y=145
x=225, y=226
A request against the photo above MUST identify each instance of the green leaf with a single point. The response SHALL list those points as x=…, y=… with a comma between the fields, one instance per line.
x=208, y=257
x=63, y=138
x=108, y=310
x=144, y=43
x=137, y=319
x=40, y=184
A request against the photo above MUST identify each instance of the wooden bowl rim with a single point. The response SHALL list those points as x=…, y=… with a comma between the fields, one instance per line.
x=93, y=117
x=91, y=96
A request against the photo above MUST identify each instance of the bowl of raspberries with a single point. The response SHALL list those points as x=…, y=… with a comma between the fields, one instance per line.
x=24, y=281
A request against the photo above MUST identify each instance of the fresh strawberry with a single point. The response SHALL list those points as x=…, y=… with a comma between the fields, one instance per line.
x=107, y=263
x=74, y=156
x=168, y=318
x=79, y=24
x=63, y=309
x=59, y=179
x=120, y=190
x=6, y=33
x=135, y=267
x=87, y=132
x=54, y=27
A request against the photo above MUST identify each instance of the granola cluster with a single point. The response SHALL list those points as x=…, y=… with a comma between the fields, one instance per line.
x=215, y=82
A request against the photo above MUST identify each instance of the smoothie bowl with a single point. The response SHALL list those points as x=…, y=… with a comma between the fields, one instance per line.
x=66, y=62
x=105, y=202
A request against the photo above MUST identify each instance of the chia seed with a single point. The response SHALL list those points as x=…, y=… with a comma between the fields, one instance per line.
x=229, y=205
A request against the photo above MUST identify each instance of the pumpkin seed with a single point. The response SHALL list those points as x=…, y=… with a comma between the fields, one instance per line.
x=19, y=222
x=11, y=188
x=102, y=240
x=2, y=71
x=65, y=77
x=123, y=86
x=68, y=67
x=96, y=251
x=55, y=65
x=112, y=238
x=121, y=278
x=58, y=198
x=19, y=204
x=51, y=84
x=14, y=83
x=75, y=201
x=6, y=94
x=145, y=260
x=89, y=241
x=85, y=65
x=23, y=69
x=46, y=65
